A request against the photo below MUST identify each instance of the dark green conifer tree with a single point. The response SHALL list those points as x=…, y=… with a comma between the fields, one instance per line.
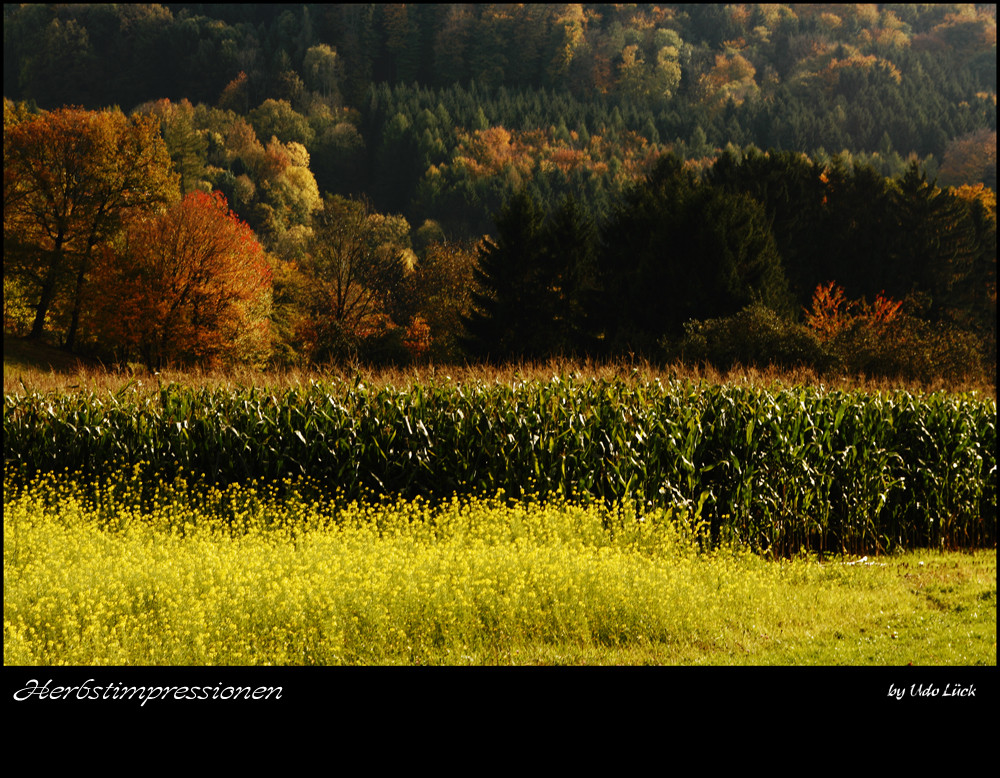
x=568, y=276
x=504, y=323
x=936, y=244
x=534, y=281
x=675, y=250
x=789, y=187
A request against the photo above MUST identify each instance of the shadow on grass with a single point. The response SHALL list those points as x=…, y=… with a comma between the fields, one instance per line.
x=27, y=354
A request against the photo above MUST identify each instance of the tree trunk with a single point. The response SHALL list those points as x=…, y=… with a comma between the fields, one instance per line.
x=48, y=290
x=77, y=303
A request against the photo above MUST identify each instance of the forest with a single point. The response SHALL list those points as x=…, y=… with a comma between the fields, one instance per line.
x=478, y=334
x=280, y=185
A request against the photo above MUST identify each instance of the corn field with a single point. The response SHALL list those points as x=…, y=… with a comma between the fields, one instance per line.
x=777, y=470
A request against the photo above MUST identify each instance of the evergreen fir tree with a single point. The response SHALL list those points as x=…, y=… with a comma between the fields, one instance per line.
x=506, y=302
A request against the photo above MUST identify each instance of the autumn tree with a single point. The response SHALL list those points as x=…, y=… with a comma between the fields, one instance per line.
x=236, y=95
x=71, y=179
x=651, y=82
x=882, y=339
x=732, y=78
x=970, y=159
x=321, y=69
x=355, y=261
x=277, y=118
x=831, y=313
x=567, y=36
x=442, y=289
x=191, y=286
x=271, y=187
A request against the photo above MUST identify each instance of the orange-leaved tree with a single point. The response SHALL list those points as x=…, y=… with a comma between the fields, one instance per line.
x=831, y=313
x=192, y=286
x=71, y=179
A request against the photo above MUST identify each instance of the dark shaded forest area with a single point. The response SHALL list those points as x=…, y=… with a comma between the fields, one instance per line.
x=278, y=184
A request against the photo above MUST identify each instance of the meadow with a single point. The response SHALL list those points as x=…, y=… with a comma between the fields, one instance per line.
x=89, y=579
x=555, y=517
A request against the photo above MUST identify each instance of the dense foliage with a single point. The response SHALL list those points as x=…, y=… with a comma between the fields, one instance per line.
x=197, y=285
x=773, y=469
x=72, y=179
x=370, y=148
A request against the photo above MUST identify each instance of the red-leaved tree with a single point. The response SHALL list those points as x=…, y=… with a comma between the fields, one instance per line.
x=192, y=286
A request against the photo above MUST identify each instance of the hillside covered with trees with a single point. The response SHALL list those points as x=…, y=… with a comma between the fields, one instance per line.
x=294, y=184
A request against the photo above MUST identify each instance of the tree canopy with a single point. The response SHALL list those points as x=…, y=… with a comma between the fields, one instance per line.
x=72, y=178
x=189, y=286
x=624, y=170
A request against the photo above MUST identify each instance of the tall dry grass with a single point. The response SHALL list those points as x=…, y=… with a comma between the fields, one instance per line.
x=20, y=378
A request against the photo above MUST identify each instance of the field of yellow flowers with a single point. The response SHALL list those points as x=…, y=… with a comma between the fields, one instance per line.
x=236, y=576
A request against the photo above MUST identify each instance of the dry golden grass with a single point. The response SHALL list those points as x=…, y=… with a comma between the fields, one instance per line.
x=29, y=368
x=21, y=380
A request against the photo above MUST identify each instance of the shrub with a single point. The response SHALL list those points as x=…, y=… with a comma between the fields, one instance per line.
x=755, y=336
x=911, y=349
